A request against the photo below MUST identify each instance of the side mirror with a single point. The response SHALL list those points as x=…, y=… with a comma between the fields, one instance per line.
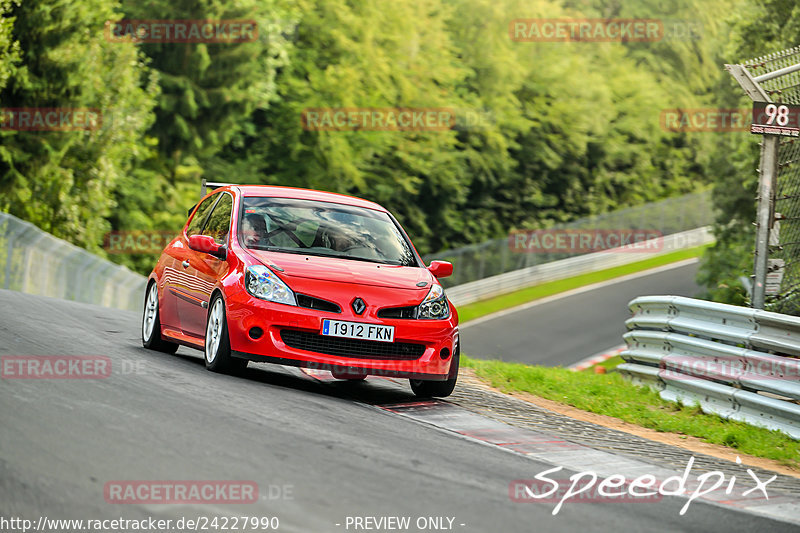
x=206, y=243
x=441, y=269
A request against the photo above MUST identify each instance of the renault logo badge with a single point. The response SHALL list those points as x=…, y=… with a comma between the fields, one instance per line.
x=358, y=306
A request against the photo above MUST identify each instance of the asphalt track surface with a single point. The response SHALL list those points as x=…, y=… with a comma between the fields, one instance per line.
x=324, y=446
x=565, y=330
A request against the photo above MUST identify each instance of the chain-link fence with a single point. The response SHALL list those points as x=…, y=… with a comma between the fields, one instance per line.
x=494, y=257
x=35, y=262
x=783, y=267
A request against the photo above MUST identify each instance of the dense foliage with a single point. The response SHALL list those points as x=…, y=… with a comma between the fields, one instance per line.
x=566, y=129
x=761, y=27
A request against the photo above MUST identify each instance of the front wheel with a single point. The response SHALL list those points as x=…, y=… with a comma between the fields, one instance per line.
x=151, y=323
x=440, y=389
x=218, y=344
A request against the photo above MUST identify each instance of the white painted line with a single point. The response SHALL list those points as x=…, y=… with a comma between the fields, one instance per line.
x=579, y=290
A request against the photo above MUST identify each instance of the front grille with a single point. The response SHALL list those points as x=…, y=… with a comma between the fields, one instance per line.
x=309, y=302
x=362, y=349
x=398, y=312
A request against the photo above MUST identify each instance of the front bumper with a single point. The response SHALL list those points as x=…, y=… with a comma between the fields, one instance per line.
x=438, y=337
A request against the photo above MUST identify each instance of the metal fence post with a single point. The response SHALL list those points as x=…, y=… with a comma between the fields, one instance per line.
x=764, y=215
x=766, y=187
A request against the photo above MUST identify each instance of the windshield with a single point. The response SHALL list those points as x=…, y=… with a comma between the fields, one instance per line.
x=322, y=228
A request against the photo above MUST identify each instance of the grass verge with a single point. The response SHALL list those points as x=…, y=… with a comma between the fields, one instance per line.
x=522, y=296
x=611, y=395
x=608, y=364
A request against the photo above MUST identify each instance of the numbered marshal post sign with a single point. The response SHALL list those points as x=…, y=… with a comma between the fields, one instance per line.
x=776, y=119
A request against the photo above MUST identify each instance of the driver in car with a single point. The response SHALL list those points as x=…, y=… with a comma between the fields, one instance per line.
x=254, y=229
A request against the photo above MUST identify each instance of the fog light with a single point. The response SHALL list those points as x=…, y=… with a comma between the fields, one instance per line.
x=444, y=353
x=256, y=333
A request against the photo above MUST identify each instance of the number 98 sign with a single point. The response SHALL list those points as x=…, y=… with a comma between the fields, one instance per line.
x=776, y=119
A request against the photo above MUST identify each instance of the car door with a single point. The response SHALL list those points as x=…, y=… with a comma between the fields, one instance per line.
x=205, y=269
x=176, y=280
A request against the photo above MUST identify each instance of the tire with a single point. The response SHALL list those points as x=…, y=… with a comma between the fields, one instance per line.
x=151, y=323
x=217, y=353
x=438, y=389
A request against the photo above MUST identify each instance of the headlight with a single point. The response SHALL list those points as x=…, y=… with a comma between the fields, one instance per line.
x=434, y=305
x=262, y=283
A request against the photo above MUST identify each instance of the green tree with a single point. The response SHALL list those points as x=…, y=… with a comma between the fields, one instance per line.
x=63, y=180
x=758, y=27
x=9, y=48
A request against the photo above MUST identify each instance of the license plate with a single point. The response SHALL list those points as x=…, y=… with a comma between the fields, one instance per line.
x=357, y=330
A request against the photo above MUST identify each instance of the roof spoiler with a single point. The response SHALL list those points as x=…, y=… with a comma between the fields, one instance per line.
x=204, y=188
x=210, y=186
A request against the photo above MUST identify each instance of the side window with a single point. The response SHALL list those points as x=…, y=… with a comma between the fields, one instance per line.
x=200, y=216
x=219, y=223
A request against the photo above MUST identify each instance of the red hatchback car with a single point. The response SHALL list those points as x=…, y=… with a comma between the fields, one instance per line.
x=303, y=278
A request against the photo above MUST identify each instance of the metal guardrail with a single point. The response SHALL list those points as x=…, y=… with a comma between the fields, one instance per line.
x=737, y=362
x=495, y=257
x=36, y=262
x=39, y=263
x=519, y=279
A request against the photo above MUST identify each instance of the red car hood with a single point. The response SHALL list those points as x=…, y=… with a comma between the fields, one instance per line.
x=345, y=270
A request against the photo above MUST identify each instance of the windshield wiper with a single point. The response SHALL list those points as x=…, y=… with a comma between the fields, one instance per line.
x=281, y=250
x=305, y=251
x=368, y=260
